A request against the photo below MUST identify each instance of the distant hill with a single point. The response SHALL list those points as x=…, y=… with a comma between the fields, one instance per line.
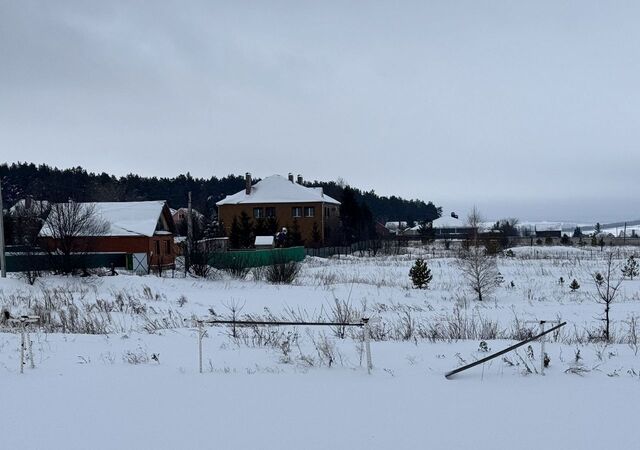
x=42, y=182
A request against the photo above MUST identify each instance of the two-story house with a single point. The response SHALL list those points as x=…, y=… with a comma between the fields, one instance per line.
x=283, y=200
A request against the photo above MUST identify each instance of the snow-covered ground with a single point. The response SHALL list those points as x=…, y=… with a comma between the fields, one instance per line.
x=136, y=384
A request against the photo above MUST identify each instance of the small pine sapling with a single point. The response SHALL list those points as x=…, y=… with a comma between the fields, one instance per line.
x=420, y=274
x=631, y=268
x=598, y=278
x=574, y=286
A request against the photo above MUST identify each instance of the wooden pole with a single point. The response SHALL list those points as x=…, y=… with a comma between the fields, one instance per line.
x=3, y=261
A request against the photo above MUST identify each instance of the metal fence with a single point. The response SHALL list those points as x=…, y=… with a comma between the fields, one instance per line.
x=255, y=258
x=17, y=262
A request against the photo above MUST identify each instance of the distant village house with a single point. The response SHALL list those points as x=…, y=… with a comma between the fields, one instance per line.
x=133, y=228
x=284, y=201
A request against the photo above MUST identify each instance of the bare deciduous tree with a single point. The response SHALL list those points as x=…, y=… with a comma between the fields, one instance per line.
x=479, y=269
x=27, y=218
x=474, y=220
x=607, y=289
x=71, y=227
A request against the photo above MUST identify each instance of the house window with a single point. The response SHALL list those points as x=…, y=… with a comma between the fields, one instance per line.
x=296, y=211
x=167, y=247
x=326, y=212
x=157, y=247
x=309, y=211
x=270, y=211
x=258, y=213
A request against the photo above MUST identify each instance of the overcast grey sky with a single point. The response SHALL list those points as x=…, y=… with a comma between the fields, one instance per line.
x=526, y=109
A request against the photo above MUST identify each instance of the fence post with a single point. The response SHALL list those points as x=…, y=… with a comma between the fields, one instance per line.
x=542, y=339
x=22, y=343
x=200, y=333
x=367, y=344
x=30, y=350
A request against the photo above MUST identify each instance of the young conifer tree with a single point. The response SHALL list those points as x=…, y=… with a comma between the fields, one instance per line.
x=574, y=285
x=631, y=268
x=420, y=274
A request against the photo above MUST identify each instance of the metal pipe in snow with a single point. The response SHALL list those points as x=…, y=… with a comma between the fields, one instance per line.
x=260, y=322
x=502, y=352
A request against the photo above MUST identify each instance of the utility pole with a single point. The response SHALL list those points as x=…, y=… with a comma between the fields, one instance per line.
x=3, y=261
x=189, y=236
x=624, y=238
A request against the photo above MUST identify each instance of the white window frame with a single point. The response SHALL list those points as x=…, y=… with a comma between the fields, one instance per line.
x=311, y=209
x=297, y=209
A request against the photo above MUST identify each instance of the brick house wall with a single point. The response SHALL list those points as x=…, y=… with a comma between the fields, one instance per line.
x=159, y=249
x=326, y=215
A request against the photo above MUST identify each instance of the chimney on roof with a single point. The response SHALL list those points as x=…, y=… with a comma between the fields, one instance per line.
x=247, y=183
x=290, y=177
x=299, y=179
x=454, y=215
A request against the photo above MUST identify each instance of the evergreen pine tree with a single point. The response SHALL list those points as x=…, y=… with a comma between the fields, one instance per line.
x=599, y=279
x=316, y=237
x=574, y=285
x=234, y=235
x=245, y=231
x=294, y=234
x=631, y=268
x=420, y=274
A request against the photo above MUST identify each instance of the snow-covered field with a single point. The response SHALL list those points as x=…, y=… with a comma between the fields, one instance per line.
x=125, y=374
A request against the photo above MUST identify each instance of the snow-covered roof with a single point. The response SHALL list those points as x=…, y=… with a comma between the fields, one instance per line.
x=185, y=211
x=278, y=189
x=35, y=206
x=395, y=225
x=449, y=222
x=264, y=240
x=125, y=218
x=548, y=226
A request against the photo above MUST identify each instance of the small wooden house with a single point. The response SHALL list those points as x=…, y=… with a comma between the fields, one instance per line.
x=132, y=227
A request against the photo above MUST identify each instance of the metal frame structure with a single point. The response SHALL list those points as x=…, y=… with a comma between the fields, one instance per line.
x=25, y=338
x=364, y=324
x=508, y=349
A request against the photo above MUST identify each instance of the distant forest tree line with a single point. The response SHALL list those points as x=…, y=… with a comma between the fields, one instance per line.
x=41, y=182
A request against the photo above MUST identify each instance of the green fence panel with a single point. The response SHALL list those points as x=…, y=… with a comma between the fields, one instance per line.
x=256, y=258
x=17, y=262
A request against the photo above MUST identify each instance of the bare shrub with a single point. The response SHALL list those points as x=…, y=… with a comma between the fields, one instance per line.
x=343, y=312
x=328, y=353
x=281, y=271
x=479, y=269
